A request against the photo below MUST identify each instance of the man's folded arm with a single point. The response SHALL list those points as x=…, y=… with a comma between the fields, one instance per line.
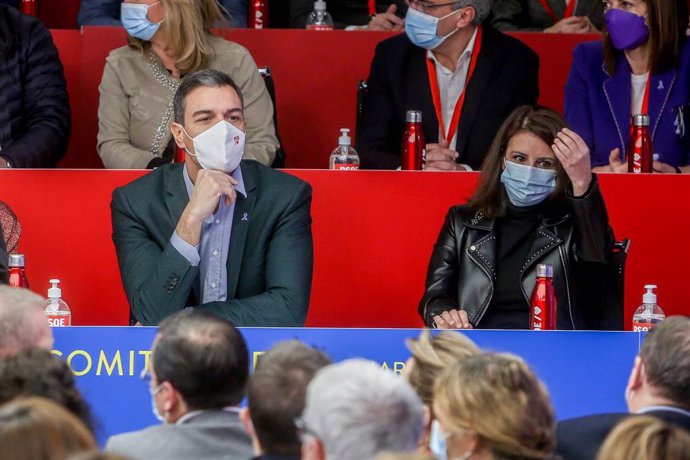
x=288, y=272
x=157, y=280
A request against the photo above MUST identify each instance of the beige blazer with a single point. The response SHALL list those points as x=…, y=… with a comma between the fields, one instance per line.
x=135, y=109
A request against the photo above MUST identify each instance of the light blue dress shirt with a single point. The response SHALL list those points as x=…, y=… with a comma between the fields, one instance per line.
x=211, y=255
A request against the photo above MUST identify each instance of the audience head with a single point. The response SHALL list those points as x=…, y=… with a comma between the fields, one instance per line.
x=182, y=27
x=276, y=393
x=22, y=321
x=36, y=428
x=431, y=354
x=493, y=406
x=198, y=361
x=666, y=22
x=645, y=438
x=36, y=372
x=525, y=138
x=355, y=410
x=661, y=372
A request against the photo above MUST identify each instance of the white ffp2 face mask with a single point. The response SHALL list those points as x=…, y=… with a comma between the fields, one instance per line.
x=219, y=148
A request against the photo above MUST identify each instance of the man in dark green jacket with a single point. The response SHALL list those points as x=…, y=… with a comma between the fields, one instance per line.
x=214, y=233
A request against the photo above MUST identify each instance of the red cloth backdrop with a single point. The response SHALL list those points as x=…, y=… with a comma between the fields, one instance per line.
x=373, y=235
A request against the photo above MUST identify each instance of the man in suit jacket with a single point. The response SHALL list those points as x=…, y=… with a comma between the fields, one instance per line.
x=551, y=16
x=231, y=238
x=658, y=386
x=198, y=372
x=445, y=63
x=275, y=397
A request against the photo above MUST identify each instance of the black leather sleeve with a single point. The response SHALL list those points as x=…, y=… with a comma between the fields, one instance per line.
x=593, y=235
x=442, y=275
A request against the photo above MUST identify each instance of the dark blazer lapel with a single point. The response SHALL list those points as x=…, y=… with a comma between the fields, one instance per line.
x=176, y=197
x=659, y=92
x=240, y=226
x=475, y=92
x=419, y=91
x=618, y=94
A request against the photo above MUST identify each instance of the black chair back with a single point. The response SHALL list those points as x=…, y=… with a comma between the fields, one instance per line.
x=265, y=72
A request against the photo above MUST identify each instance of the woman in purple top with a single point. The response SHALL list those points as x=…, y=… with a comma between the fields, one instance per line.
x=642, y=65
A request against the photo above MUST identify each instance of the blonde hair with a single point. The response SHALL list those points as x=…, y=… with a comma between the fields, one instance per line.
x=645, y=438
x=187, y=27
x=32, y=428
x=432, y=354
x=498, y=397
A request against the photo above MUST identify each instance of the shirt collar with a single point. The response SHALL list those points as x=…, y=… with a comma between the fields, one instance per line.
x=675, y=409
x=236, y=174
x=468, y=52
x=195, y=413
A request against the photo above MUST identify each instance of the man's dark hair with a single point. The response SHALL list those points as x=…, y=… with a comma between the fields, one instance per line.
x=208, y=78
x=203, y=357
x=276, y=394
x=665, y=353
x=36, y=372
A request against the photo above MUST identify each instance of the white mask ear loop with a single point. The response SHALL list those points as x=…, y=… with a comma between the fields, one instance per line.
x=190, y=137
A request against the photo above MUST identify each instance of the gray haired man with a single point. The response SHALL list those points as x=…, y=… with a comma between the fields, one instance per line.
x=22, y=322
x=355, y=410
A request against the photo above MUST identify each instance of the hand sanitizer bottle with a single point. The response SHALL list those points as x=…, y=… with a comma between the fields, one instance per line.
x=57, y=311
x=649, y=313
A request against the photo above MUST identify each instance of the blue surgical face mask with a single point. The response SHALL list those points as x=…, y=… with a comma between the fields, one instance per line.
x=437, y=442
x=527, y=185
x=154, y=408
x=421, y=29
x=134, y=17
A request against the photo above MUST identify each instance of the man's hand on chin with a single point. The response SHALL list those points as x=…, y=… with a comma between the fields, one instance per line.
x=209, y=187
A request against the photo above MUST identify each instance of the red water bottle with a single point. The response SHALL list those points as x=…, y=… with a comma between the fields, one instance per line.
x=17, y=272
x=28, y=7
x=640, y=145
x=258, y=14
x=413, y=155
x=542, y=306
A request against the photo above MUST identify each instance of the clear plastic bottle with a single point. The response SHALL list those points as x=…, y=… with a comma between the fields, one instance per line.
x=56, y=310
x=319, y=19
x=649, y=314
x=344, y=156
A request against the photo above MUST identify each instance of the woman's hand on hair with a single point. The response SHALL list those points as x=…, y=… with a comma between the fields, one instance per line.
x=573, y=154
x=452, y=319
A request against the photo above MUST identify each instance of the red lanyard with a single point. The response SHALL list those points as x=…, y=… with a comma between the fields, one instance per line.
x=569, y=10
x=372, y=8
x=436, y=94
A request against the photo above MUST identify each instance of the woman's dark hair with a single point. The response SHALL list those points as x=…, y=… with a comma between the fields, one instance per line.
x=544, y=123
x=668, y=22
x=35, y=372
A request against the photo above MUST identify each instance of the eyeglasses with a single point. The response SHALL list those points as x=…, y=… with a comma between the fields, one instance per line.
x=303, y=429
x=425, y=6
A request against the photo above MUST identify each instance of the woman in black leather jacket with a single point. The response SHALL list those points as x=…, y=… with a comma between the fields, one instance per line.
x=537, y=202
